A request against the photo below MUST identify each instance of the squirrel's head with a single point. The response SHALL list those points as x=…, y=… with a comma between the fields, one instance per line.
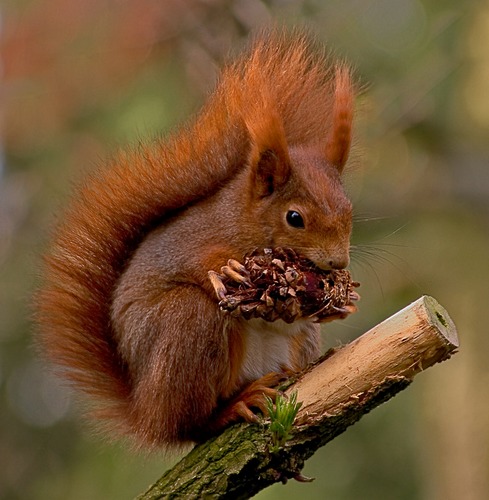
x=303, y=206
x=296, y=194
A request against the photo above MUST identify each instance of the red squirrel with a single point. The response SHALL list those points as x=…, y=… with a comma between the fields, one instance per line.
x=128, y=309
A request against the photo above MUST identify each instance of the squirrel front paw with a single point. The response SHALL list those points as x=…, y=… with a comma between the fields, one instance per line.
x=234, y=271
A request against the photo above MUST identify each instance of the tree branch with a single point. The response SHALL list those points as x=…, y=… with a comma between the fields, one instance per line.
x=336, y=392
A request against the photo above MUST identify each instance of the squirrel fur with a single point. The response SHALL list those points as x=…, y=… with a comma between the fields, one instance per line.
x=127, y=309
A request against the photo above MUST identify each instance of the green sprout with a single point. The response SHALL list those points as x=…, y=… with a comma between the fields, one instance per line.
x=282, y=415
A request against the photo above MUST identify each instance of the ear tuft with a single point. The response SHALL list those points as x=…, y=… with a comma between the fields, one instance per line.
x=338, y=144
x=269, y=157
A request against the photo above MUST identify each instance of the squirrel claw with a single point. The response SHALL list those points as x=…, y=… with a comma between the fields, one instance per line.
x=219, y=287
x=236, y=272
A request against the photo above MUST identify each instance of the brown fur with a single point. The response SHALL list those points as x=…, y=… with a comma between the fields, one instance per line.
x=126, y=309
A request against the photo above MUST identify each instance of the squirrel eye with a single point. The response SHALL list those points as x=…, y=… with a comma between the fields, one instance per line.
x=295, y=219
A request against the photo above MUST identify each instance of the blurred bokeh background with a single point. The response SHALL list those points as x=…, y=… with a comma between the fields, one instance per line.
x=80, y=78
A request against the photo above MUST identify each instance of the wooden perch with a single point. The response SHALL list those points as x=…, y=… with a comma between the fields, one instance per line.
x=336, y=392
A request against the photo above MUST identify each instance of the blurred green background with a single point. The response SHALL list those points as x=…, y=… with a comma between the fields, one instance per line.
x=80, y=78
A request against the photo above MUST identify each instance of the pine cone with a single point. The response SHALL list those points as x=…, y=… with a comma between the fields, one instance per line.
x=286, y=286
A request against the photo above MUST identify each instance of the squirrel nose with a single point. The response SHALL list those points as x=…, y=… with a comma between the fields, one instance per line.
x=339, y=262
x=330, y=260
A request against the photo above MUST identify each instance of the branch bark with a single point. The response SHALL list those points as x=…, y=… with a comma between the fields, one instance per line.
x=336, y=392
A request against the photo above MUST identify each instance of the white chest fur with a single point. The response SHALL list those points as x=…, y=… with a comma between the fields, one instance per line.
x=267, y=347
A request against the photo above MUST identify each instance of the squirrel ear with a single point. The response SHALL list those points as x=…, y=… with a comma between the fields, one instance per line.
x=270, y=162
x=339, y=140
x=270, y=172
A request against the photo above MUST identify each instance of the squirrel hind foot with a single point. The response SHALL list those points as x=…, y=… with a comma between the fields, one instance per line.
x=240, y=408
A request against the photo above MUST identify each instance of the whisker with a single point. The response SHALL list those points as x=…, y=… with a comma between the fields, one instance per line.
x=394, y=232
x=377, y=255
x=365, y=262
x=359, y=218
